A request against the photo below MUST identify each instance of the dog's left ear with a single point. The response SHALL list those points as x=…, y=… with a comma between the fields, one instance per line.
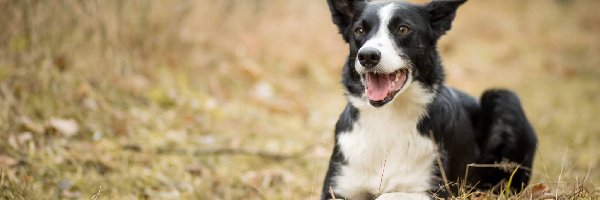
x=442, y=14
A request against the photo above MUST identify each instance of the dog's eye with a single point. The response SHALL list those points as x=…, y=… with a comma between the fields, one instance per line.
x=359, y=32
x=403, y=29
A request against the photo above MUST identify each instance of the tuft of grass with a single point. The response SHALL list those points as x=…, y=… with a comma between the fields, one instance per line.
x=509, y=182
x=238, y=99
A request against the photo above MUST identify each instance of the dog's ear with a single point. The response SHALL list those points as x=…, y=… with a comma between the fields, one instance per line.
x=343, y=11
x=442, y=13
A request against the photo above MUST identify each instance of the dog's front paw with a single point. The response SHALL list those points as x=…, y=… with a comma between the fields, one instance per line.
x=403, y=196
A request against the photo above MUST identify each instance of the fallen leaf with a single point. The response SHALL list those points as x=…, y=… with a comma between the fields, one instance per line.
x=195, y=170
x=66, y=127
x=208, y=140
x=138, y=82
x=263, y=91
x=61, y=62
x=252, y=69
x=90, y=104
x=267, y=178
x=132, y=147
x=7, y=161
x=24, y=137
x=250, y=178
x=30, y=125
x=12, y=141
x=539, y=191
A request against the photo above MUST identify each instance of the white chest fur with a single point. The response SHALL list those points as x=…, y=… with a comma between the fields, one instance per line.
x=385, y=152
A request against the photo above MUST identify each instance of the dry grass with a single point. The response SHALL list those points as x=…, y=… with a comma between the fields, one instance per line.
x=163, y=95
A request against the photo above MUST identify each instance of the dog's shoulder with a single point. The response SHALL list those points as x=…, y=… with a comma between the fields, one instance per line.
x=449, y=106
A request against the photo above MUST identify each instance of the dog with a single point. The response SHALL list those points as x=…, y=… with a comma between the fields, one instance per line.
x=404, y=134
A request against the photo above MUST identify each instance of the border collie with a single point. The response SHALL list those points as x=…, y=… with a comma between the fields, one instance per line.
x=406, y=135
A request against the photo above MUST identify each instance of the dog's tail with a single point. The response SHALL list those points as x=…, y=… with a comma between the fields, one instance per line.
x=509, y=140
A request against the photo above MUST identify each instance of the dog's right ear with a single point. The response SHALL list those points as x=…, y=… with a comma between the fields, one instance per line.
x=343, y=11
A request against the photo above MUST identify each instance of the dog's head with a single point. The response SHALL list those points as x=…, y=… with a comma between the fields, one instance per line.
x=392, y=44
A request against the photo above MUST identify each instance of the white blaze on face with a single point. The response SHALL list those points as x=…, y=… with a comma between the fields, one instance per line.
x=383, y=41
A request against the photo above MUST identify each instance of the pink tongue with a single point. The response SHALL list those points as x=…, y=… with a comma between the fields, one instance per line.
x=378, y=86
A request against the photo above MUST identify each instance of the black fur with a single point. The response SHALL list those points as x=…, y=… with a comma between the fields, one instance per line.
x=492, y=130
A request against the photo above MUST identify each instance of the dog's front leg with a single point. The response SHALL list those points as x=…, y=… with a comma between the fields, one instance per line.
x=403, y=195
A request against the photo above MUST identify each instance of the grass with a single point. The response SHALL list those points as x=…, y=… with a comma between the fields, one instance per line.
x=237, y=99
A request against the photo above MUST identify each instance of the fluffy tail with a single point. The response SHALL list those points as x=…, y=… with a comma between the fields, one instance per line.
x=510, y=140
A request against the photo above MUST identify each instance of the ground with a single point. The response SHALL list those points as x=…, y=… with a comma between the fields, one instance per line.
x=237, y=99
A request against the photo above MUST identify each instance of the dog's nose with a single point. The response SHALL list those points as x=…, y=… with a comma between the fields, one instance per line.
x=369, y=57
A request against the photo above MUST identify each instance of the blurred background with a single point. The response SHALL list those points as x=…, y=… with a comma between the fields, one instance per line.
x=237, y=99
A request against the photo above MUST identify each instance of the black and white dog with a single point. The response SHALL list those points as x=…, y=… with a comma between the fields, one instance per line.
x=403, y=133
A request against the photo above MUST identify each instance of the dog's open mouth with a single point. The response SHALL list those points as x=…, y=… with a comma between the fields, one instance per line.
x=381, y=88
